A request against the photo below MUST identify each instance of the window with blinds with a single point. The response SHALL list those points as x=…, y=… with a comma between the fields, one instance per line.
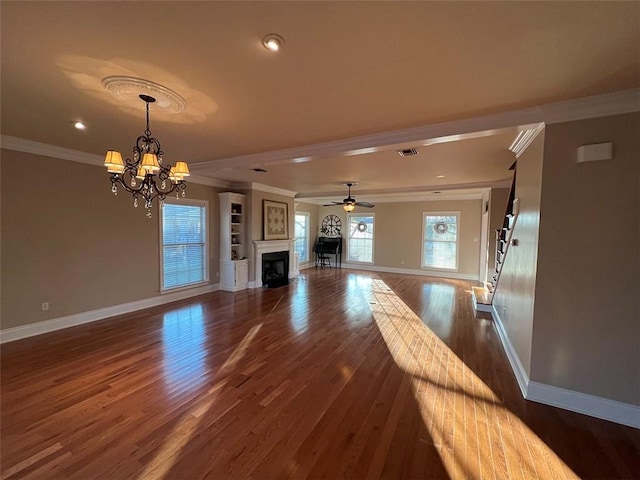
x=184, y=244
x=302, y=236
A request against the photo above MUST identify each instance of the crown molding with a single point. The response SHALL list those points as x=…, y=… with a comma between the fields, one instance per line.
x=408, y=197
x=615, y=103
x=211, y=182
x=426, y=197
x=46, y=150
x=525, y=138
x=469, y=191
x=263, y=188
x=606, y=105
x=626, y=101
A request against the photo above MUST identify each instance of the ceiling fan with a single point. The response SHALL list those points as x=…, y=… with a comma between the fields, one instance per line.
x=350, y=203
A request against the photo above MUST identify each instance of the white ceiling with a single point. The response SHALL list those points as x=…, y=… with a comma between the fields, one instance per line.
x=351, y=75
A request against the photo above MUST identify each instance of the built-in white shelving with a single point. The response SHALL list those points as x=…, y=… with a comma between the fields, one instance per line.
x=234, y=266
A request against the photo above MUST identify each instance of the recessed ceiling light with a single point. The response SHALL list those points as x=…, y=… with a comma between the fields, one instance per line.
x=273, y=42
x=439, y=176
x=80, y=125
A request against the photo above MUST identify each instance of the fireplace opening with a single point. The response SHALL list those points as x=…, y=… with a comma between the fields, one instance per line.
x=275, y=269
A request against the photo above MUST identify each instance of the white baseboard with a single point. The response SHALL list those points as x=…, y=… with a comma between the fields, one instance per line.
x=16, y=333
x=585, y=404
x=233, y=288
x=591, y=405
x=411, y=271
x=482, y=307
x=516, y=365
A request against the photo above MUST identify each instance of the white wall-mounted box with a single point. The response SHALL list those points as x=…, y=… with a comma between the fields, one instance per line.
x=595, y=152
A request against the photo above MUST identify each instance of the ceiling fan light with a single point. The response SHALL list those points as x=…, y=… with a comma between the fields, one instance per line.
x=349, y=207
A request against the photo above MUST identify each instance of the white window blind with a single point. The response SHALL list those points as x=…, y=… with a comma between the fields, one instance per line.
x=184, y=245
x=302, y=236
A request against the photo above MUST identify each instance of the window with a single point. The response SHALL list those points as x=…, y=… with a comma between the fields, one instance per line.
x=302, y=236
x=360, y=241
x=440, y=240
x=184, y=244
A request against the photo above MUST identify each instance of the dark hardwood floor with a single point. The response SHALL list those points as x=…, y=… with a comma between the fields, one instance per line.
x=341, y=374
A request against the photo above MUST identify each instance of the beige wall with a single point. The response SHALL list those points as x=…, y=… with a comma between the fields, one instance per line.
x=312, y=210
x=68, y=241
x=515, y=294
x=398, y=232
x=586, y=334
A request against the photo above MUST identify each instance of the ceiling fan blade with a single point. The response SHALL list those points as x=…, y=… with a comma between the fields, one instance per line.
x=332, y=204
x=365, y=204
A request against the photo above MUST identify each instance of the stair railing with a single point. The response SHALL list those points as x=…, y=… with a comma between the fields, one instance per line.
x=504, y=239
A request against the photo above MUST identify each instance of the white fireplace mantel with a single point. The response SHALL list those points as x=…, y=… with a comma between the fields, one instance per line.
x=269, y=246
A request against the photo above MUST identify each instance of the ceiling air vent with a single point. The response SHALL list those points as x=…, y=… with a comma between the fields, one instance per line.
x=408, y=152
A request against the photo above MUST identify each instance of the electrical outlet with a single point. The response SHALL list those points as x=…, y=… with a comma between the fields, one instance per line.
x=45, y=306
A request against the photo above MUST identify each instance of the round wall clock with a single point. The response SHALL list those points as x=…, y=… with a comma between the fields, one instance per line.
x=331, y=226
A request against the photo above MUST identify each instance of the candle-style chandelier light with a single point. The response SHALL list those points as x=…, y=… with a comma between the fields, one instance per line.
x=145, y=175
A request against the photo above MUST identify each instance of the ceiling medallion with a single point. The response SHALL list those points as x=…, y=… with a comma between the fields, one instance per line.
x=128, y=90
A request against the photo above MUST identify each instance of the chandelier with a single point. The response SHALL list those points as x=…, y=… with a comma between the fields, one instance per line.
x=144, y=175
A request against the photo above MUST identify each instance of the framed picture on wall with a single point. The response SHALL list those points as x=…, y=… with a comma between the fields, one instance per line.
x=275, y=220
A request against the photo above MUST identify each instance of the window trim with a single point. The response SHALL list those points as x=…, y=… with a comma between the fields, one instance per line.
x=422, y=245
x=307, y=234
x=373, y=238
x=185, y=202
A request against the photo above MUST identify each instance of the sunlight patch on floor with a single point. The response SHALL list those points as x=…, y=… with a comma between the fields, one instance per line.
x=299, y=318
x=475, y=434
x=179, y=437
x=183, y=339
